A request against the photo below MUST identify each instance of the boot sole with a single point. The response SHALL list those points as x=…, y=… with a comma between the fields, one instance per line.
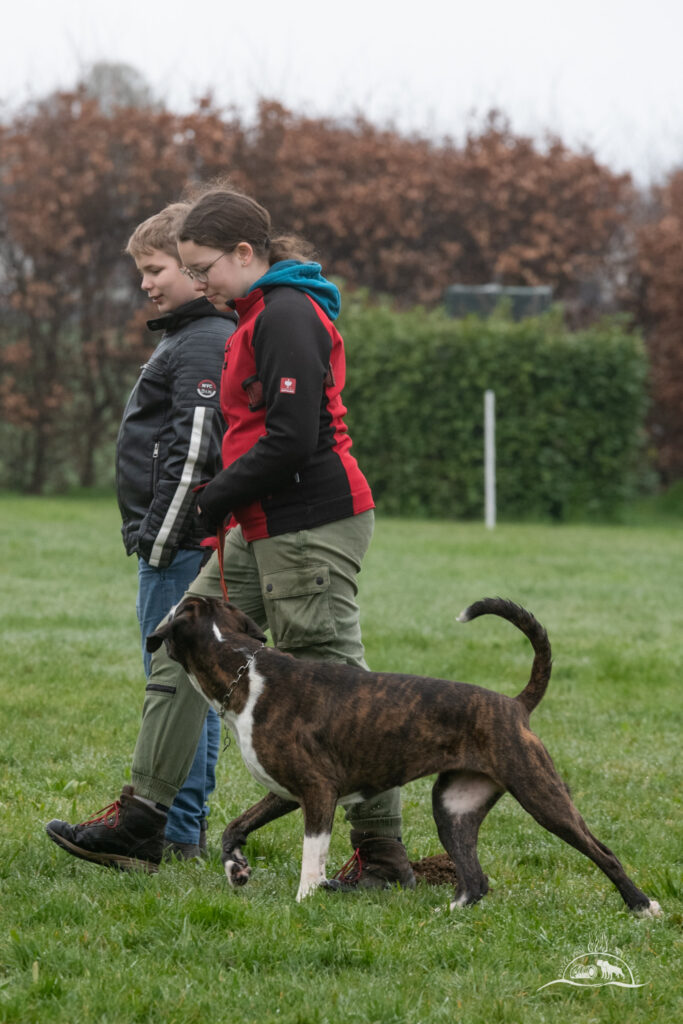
x=336, y=885
x=107, y=860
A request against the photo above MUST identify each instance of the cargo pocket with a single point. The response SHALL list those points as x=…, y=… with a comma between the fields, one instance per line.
x=298, y=606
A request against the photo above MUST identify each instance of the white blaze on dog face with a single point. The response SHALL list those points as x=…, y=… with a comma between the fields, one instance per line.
x=313, y=863
x=217, y=633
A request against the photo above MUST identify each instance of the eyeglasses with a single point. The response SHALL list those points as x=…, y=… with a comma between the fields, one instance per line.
x=201, y=275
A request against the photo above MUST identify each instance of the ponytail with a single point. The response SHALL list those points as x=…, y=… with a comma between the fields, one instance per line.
x=289, y=247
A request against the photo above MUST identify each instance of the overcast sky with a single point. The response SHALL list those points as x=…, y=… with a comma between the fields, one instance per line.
x=604, y=73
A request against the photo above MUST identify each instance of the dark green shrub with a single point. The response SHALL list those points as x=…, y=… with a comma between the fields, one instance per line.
x=570, y=411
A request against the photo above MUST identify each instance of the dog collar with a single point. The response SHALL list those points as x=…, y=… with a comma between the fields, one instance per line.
x=240, y=672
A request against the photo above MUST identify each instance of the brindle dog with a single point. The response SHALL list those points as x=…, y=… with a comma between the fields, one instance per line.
x=316, y=734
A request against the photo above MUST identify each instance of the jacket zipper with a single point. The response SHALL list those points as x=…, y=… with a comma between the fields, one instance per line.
x=155, y=467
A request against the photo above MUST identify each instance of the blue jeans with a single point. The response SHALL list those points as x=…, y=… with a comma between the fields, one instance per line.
x=158, y=591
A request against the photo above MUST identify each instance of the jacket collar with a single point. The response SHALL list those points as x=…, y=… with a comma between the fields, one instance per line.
x=185, y=314
x=244, y=303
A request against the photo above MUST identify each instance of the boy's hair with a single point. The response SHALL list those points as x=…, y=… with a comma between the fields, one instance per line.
x=158, y=232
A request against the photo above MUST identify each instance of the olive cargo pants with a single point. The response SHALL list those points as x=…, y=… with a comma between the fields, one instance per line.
x=301, y=586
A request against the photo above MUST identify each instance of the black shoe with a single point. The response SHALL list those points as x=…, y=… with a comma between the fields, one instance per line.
x=174, y=850
x=377, y=862
x=128, y=834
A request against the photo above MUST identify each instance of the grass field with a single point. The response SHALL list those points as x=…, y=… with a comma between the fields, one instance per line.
x=79, y=944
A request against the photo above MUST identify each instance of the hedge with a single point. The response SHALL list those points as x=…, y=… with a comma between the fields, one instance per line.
x=570, y=411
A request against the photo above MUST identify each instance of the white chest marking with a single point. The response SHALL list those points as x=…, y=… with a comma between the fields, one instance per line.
x=241, y=726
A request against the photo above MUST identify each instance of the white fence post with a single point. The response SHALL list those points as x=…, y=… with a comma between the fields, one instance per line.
x=490, y=458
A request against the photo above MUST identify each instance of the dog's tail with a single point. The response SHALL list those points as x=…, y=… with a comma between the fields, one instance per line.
x=534, y=690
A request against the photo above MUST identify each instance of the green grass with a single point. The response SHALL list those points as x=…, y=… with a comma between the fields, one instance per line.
x=81, y=944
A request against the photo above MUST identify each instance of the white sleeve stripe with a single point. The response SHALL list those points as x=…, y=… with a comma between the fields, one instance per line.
x=178, y=501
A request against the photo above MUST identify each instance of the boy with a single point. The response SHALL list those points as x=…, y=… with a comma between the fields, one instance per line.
x=304, y=515
x=168, y=442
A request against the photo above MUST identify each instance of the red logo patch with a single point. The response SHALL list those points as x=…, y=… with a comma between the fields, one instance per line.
x=287, y=385
x=206, y=389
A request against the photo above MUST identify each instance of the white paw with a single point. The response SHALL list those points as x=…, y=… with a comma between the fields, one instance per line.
x=237, y=872
x=460, y=902
x=652, y=910
x=307, y=887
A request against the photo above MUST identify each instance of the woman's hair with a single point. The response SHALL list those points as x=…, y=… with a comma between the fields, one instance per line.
x=158, y=232
x=222, y=217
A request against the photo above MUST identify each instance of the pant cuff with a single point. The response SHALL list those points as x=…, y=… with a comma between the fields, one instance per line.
x=153, y=789
x=387, y=828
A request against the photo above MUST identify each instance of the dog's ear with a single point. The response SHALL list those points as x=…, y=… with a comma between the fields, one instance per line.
x=243, y=624
x=156, y=639
x=176, y=617
x=172, y=629
x=251, y=629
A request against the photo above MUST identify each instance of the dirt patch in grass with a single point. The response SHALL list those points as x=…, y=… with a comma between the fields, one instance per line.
x=437, y=870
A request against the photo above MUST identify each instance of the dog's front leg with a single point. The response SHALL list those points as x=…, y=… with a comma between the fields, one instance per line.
x=318, y=811
x=235, y=863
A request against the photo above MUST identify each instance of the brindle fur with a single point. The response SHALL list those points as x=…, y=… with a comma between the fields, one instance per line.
x=323, y=731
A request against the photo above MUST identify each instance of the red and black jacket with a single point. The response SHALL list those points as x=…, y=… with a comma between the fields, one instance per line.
x=287, y=451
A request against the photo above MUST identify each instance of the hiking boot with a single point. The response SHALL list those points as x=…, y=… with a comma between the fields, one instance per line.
x=377, y=863
x=128, y=834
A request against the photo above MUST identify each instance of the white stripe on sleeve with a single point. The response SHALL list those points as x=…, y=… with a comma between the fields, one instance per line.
x=178, y=501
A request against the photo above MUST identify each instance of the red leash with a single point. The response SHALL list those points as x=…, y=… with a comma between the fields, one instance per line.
x=221, y=535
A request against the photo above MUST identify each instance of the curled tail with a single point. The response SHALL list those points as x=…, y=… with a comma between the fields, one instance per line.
x=534, y=690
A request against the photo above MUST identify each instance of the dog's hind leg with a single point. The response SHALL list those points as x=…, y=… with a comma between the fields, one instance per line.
x=460, y=802
x=235, y=863
x=541, y=792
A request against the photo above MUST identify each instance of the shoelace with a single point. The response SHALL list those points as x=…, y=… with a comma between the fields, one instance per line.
x=103, y=815
x=351, y=871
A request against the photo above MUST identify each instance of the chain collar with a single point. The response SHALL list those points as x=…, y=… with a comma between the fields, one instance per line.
x=242, y=669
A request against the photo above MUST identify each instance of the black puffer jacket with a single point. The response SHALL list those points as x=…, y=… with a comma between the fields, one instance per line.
x=170, y=435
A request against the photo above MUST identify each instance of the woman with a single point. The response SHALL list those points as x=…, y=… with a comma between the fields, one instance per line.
x=299, y=508
x=286, y=453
